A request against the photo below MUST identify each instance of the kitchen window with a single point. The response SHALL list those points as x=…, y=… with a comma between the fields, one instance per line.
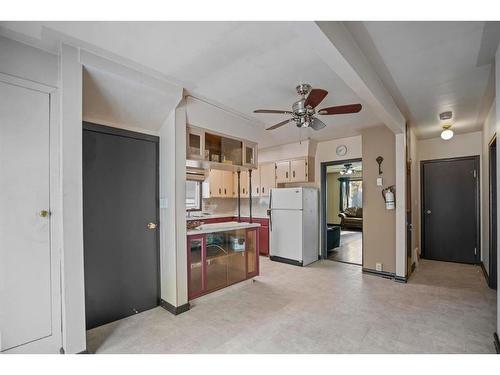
x=193, y=195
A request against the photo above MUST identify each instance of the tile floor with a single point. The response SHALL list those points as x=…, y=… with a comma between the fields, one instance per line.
x=350, y=249
x=328, y=307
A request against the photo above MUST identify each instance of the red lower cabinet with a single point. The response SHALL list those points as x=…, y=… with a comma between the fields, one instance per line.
x=217, y=260
x=264, y=240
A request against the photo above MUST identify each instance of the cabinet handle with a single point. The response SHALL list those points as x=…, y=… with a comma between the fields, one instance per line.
x=293, y=174
x=257, y=190
x=262, y=190
x=243, y=190
x=286, y=174
x=220, y=191
x=225, y=193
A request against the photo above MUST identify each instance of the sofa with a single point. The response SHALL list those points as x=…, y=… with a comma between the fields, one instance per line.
x=352, y=218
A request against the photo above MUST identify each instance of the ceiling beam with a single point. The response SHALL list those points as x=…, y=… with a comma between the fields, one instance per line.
x=336, y=46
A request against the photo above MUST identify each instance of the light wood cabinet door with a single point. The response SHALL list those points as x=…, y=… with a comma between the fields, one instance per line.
x=256, y=184
x=212, y=187
x=243, y=184
x=282, y=171
x=195, y=144
x=267, y=178
x=298, y=170
x=227, y=184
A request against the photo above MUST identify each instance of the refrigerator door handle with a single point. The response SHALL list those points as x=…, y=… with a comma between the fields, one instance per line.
x=269, y=211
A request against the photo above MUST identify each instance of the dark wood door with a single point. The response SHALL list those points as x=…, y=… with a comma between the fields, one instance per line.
x=492, y=272
x=120, y=199
x=450, y=209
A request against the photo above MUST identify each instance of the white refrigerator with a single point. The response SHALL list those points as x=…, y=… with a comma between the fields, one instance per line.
x=293, y=225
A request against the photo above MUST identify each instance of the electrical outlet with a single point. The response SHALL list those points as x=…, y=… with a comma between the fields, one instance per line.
x=378, y=266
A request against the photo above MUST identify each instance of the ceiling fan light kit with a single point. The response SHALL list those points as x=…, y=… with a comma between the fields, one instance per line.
x=303, y=111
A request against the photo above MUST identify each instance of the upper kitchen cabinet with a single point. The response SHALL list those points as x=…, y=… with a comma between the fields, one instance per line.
x=219, y=184
x=295, y=170
x=250, y=154
x=267, y=178
x=219, y=151
x=195, y=143
x=283, y=171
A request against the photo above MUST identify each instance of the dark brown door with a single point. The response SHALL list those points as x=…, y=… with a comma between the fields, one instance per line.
x=120, y=200
x=492, y=259
x=450, y=209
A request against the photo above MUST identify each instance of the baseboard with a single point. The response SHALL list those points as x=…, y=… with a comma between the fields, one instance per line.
x=176, y=310
x=385, y=275
x=497, y=343
x=400, y=279
x=84, y=352
x=286, y=260
x=485, y=273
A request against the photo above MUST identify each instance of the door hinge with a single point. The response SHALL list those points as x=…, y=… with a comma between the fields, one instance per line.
x=475, y=173
x=61, y=351
x=475, y=251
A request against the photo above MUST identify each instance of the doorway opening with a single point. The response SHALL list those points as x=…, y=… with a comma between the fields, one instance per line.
x=342, y=205
x=492, y=259
x=450, y=209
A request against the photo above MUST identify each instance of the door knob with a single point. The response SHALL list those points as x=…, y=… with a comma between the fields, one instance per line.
x=428, y=212
x=44, y=213
x=151, y=226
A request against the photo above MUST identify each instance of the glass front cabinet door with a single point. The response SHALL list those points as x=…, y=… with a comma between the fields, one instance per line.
x=250, y=154
x=195, y=144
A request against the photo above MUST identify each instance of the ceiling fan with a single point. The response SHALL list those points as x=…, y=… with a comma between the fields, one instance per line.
x=303, y=111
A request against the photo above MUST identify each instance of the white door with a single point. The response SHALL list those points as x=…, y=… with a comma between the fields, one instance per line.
x=286, y=198
x=30, y=303
x=285, y=230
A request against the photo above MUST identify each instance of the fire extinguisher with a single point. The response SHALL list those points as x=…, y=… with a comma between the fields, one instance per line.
x=389, y=197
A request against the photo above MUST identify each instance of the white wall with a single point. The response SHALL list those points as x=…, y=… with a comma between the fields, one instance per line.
x=489, y=130
x=173, y=255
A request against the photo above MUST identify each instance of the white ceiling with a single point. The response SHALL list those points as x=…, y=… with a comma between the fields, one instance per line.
x=435, y=66
x=113, y=100
x=239, y=65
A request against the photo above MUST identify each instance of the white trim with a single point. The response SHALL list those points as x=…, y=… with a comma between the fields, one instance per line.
x=27, y=84
x=400, y=154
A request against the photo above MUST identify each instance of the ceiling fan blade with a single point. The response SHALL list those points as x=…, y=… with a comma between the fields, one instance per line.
x=340, y=109
x=317, y=124
x=279, y=124
x=315, y=97
x=278, y=111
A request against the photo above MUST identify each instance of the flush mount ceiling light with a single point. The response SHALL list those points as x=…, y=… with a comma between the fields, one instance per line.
x=447, y=133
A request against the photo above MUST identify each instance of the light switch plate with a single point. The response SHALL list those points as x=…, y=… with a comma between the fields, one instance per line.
x=379, y=181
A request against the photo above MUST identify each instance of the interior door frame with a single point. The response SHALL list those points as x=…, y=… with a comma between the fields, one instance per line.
x=53, y=343
x=476, y=159
x=492, y=219
x=103, y=129
x=324, y=221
